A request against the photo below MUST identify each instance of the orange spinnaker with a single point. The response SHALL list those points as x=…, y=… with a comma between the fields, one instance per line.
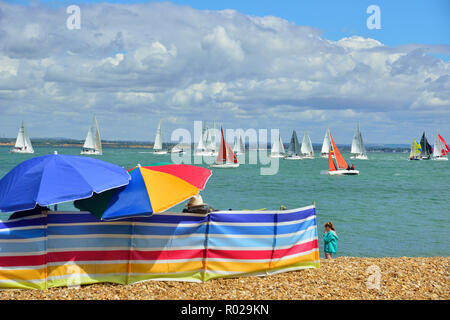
x=331, y=165
x=339, y=158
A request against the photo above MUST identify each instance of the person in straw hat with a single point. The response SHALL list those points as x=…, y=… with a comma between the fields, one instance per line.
x=196, y=205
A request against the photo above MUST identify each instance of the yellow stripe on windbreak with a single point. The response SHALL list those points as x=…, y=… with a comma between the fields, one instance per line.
x=24, y=274
x=166, y=190
x=87, y=269
x=257, y=266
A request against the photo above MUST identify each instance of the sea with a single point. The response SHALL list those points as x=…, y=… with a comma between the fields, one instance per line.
x=394, y=208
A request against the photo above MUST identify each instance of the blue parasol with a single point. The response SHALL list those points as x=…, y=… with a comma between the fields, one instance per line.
x=53, y=179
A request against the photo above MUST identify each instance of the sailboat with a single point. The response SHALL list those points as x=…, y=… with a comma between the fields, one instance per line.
x=93, y=144
x=325, y=144
x=277, y=149
x=415, y=151
x=342, y=168
x=23, y=142
x=177, y=149
x=239, y=147
x=157, y=147
x=441, y=149
x=226, y=157
x=294, y=148
x=427, y=149
x=307, y=148
x=200, y=150
x=211, y=146
x=358, y=150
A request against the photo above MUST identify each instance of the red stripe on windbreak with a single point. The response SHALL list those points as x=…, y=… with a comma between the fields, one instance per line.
x=167, y=255
x=22, y=261
x=262, y=254
x=153, y=255
x=88, y=255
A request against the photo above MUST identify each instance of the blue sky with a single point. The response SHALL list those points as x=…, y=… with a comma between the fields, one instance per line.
x=304, y=65
x=403, y=21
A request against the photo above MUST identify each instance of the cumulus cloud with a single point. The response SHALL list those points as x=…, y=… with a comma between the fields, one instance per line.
x=132, y=65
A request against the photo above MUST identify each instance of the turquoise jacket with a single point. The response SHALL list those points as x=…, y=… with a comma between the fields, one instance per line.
x=330, y=240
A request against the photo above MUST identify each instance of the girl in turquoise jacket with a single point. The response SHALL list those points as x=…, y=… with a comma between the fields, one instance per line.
x=330, y=239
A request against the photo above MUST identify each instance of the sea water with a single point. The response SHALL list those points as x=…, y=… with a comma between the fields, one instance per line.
x=395, y=207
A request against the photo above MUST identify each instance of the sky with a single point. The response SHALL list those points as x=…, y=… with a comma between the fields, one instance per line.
x=303, y=65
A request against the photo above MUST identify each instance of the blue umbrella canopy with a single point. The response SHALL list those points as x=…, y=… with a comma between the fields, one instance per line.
x=53, y=179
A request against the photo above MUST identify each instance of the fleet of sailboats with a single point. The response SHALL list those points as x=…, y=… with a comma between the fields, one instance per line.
x=441, y=149
x=358, y=150
x=294, y=148
x=23, y=142
x=158, y=145
x=226, y=157
x=277, y=149
x=307, y=148
x=93, y=144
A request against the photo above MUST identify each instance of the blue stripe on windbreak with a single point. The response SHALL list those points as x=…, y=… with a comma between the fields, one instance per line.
x=263, y=217
x=72, y=218
x=259, y=242
x=89, y=229
x=105, y=243
x=22, y=247
x=102, y=243
x=21, y=234
x=22, y=223
x=260, y=230
x=155, y=230
x=167, y=218
x=192, y=241
x=176, y=230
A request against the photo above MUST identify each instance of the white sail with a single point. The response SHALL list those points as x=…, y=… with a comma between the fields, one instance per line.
x=356, y=143
x=211, y=146
x=307, y=148
x=438, y=146
x=158, y=139
x=23, y=142
x=201, y=143
x=358, y=149
x=294, y=147
x=326, y=143
x=277, y=149
x=239, y=147
x=93, y=143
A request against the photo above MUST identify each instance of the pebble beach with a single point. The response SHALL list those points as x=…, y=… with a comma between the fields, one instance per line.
x=343, y=278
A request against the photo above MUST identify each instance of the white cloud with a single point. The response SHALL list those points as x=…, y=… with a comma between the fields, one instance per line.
x=159, y=60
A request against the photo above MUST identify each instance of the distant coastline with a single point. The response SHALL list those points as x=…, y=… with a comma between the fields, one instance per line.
x=72, y=143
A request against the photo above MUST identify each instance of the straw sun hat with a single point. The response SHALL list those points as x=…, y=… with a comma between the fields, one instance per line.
x=195, y=201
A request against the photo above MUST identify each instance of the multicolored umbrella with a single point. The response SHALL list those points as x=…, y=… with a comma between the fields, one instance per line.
x=152, y=189
x=56, y=178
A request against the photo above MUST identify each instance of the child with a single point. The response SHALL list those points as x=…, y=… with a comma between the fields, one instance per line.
x=330, y=239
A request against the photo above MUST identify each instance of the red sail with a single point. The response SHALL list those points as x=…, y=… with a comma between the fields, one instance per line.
x=331, y=165
x=339, y=158
x=231, y=157
x=444, y=151
x=222, y=156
